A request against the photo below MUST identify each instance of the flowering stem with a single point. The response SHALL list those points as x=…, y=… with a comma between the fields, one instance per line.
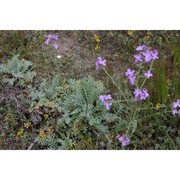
x=138, y=77
x=143, y=83
x=123, y=100
x=128, y=128
x=116, y=86
x=146, y=78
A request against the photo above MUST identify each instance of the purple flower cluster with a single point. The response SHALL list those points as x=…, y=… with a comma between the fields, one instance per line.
x=141, y=94
x=131, y=76
x=123, y=139
x=105, y=101
x=145, y=54
x=100, y=61
x=52, y=37
x=176, y=107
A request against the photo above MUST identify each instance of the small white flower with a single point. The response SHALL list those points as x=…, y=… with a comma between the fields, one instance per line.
x=58, y=56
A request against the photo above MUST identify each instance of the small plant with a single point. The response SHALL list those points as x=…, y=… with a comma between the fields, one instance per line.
x=137, y=78
x=47, y=93
x=17, y=71
x=83, y=116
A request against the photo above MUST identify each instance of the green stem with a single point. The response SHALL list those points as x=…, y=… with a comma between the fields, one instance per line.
x=146, y=78
x=128, y=128
x=143, y=83
x=116, y=86
x=154, y=108
x=122, y=100
x=137, y=74
x=132, y=117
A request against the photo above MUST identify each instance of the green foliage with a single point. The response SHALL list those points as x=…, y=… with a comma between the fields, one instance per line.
x=17, y=40
x=176, y=71
x=25, y=43
x=47, y=93
x=82, y=102
x=67, y=113
x=55, y=143
x=17, y=71
x=167, y=77
x=161, y=83
x=82, y=114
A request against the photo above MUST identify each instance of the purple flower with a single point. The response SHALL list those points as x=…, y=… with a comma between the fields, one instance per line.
x=129, y=72
x=144, y=94
x=137, y=94
x=55, y=44
x=138, y=58
x=155, y=54
x=49, y=36
x=107, y=97
x=107, y=104
x=100, y=61
x=47, y=41
x=104, y=99
x=55, y=37
x=141, y=48
x=101, y=98
x=176, y=107
x=176, y=103
x=123, y=139
x=52, y=36
x=141, y=94
x=174, y=111
x=148, y=55
x=148, y=74
x=145, y=54
x=97, y=65
x=132, y=80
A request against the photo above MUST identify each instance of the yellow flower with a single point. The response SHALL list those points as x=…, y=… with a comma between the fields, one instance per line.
x=130, y=33
x=20, y=133
x=42, y=134
x=167, y=81
x=147, y=37
x=169, y=95
x=46, y=116
x=27, y=124
x=158, y=105
x=96, y=38
x=97, y=47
